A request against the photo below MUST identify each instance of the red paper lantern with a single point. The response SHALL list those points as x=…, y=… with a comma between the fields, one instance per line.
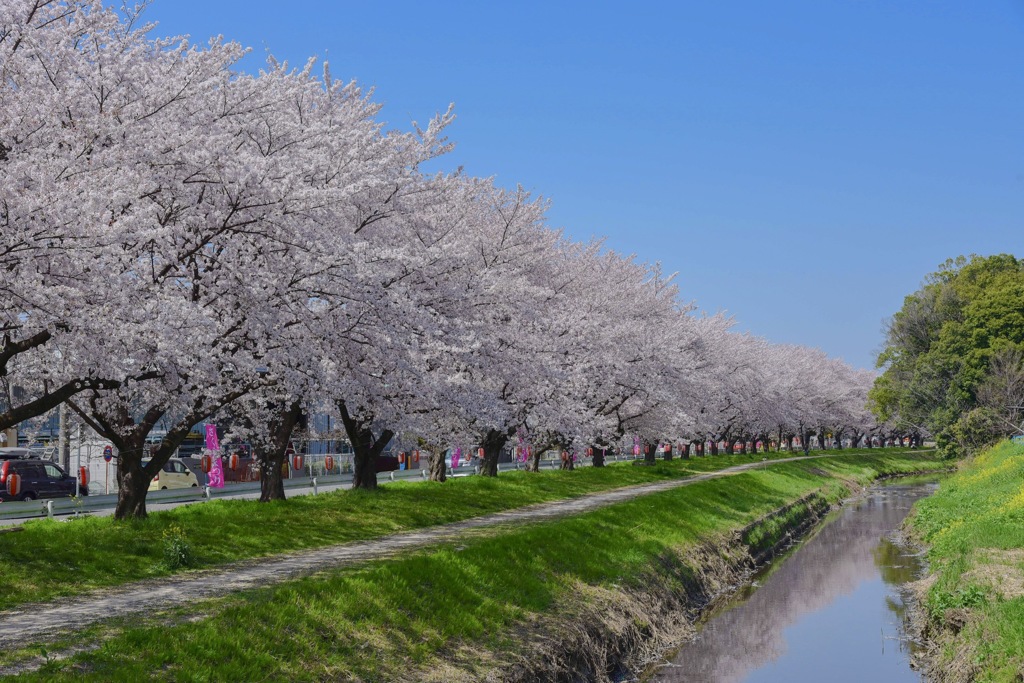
x=329, y=463
x=401, y=457
x=206, y=464
x=480, y=453
x=668, y=448
x=415, y=456
x=590, y=452
x=233, y=461
x=297, y=461
x=83, y=476
x=565, y=456
x=14, y=483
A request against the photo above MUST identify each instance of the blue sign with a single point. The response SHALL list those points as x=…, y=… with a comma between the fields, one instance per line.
x=108, y=453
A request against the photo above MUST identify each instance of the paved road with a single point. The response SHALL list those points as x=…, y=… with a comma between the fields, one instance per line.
x=103, y=505
x=154, y=505
x=34, y=623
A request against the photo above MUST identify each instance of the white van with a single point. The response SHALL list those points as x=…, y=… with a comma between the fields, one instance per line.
x=174, y=475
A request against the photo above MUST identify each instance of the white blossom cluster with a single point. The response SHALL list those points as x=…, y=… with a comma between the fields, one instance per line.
x=178, y=238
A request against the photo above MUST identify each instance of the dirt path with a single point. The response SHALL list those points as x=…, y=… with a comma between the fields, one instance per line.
x=34, y=623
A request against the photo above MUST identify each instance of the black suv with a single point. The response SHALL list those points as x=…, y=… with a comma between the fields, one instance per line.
x=39, y=479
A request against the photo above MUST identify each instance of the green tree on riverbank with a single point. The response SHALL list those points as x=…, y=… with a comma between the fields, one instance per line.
x=954, y=355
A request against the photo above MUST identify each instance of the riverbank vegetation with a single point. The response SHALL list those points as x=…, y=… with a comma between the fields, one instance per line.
x=954, y=356
x=600, y=589
x=974, y=599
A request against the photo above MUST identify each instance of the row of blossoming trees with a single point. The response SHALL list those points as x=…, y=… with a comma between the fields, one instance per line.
x=179, y=240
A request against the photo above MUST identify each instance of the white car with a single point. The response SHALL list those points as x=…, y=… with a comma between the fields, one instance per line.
x=174, y=475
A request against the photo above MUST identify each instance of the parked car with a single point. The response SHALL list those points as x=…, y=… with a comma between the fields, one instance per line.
x=174, y=475
x=39, y=478
x=386, y=462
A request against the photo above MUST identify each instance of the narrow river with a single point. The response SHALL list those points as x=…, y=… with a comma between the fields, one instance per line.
x=830, y=611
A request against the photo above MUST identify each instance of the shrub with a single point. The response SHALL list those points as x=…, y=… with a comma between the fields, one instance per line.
x=177, y=552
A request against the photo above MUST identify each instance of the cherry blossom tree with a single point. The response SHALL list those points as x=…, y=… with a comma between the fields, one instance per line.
x=193, y=192
x=181, y=240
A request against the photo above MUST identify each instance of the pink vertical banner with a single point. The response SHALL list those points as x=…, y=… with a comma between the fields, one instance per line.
x=215, y=477
x=456, y=457
x=212, y=442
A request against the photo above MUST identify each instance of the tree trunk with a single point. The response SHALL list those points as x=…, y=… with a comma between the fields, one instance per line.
x=271, y=479
x=667, y=453
x=533, y=462
x=714, y=447
x=132, y=480
x=437, y=465
x=129, y=437
x=271, y=454
x=597, y=460
x=364, y=468
x=365, y=447
x=650, y=453
x=492, y=444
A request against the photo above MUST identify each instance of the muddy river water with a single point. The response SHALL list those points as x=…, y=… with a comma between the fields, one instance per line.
x=830, y=611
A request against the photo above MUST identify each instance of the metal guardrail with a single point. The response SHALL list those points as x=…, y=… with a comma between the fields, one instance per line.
x=54, y=507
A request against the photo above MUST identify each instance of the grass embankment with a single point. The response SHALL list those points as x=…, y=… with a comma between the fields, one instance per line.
x=54, y=558
x=453, y=612
x=974, y=527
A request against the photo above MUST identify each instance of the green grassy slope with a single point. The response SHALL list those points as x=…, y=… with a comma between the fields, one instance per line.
x=974, y=527
x=443, y=612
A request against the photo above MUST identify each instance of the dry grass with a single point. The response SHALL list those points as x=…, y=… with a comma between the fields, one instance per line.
x=999, y=571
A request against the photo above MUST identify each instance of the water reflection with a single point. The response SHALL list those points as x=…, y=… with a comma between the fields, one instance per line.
x=829, y=612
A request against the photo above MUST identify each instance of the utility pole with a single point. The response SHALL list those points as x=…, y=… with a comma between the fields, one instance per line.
x=63, y=442
x=9, y=436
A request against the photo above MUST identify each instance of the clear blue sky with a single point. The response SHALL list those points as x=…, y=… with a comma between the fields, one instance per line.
x=803, y=164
